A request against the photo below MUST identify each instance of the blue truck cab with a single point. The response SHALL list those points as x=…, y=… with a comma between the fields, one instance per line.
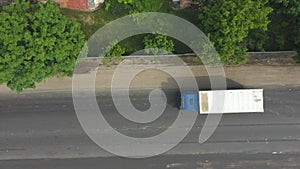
x=188, y=101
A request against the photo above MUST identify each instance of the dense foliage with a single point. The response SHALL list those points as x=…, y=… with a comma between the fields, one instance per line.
x=285, y=26
x=37, y=42
x=113, y=54
x=283, y=31
x=158, y=44
x=114, y=51
x=291, y=7
x=228, y=22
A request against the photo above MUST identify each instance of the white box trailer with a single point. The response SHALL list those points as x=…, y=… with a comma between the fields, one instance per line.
x=233, y=101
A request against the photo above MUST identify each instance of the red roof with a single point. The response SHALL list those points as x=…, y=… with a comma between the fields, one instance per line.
x=74, y=4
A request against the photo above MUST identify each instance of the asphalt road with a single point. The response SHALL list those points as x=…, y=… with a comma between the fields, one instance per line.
x=44, y=126
x=219, y=161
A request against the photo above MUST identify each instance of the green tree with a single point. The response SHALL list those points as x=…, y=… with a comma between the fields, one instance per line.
x=113, y=54
x=256, y=40
x=284, y=31
x=158, y=44
x=37, y=42
x=114, y=51
x=228, y=22
x=297, y=39
x=291, y=7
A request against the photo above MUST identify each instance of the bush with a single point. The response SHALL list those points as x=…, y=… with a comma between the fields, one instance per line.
x=113, y=54
x=158, y=44
x=114, y=51
x=227, y=23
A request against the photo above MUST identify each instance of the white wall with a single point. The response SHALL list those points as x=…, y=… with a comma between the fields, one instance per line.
x=97, y=2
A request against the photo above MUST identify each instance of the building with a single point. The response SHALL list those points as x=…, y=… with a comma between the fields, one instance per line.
x=5, y=2
x=83, y=5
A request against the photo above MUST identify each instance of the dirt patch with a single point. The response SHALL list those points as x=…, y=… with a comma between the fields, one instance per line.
x=73, y=18
x=87, y=19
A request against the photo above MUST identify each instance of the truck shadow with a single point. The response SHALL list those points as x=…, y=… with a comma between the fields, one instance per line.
x=171, y=88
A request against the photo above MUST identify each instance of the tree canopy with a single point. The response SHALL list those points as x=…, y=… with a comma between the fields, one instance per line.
x=286, y=6
x=37, y=42
x=228, y=22
x=285, y=26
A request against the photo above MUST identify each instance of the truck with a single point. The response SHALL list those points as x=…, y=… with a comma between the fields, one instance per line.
x=233, y=101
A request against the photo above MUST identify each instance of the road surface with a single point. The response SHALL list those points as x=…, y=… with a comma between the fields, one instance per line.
x=37, y=126
x=219, y=161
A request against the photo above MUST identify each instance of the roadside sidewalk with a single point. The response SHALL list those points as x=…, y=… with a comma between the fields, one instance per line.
x=250, y=75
